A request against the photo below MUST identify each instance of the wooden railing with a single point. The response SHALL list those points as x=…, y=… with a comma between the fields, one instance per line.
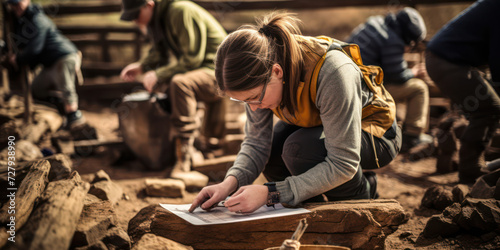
x=115, y=6
x=85, y=36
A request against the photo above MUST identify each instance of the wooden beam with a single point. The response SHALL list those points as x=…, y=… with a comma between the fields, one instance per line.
x=115, y=6
x=82, y=29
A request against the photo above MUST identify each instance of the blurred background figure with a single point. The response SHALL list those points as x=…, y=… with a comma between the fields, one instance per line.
x=382, y=41
x=38, y=42
x=454, y=59
x=187, y=31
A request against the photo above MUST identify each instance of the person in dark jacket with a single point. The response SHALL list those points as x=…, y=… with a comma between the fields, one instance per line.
x=186, y=31
x=455, y=58
x=38, y=42
x=382, y=41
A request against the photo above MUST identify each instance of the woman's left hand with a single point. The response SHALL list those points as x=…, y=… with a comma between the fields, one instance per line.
x=247, y=199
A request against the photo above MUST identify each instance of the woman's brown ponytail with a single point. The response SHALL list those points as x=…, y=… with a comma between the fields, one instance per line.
x=245, y=58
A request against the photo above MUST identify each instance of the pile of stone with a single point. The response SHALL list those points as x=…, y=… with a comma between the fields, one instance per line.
x=475, y=211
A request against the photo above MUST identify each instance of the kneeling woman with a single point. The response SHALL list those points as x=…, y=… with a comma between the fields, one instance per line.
x=332, y=122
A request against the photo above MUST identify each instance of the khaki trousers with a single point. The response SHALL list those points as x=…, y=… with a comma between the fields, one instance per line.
x=185, y=91
x=59, y=77
x=416, y=95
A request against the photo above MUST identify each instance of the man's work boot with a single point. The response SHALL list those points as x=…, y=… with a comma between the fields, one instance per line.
x=183, y=150
x=471, y=164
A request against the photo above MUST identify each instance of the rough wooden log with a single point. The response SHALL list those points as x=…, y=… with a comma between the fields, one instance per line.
x=151, y=241
x=54, y=220
x=51, y=116
x=107, y=190
x=25, y=151
x=23, y=199
x=141, y=223
x=171, y=188
x=61, y=166
x=95, y=220
x=193, y=180
x=33, y=132
x=355, y=224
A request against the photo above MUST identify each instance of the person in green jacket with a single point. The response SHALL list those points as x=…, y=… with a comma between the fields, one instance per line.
x=185, y=39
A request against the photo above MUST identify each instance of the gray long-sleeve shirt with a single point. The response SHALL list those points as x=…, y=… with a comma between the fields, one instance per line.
x=381, y=44
x=340, y=98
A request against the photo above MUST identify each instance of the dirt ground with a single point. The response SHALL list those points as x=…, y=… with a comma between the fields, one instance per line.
x=402, y=180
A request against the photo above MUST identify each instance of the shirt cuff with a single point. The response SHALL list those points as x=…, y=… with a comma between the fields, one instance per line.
x=286, y=195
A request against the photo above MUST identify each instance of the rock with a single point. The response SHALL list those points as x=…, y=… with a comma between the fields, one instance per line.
x=482, y=190
x=117, y=238
x=437, y=198
x=61, y=166
x=439, y=225
x=94, y=222
x=193, y=180
x=107, y=190
x=96, y=246
x=101, y=175
x=452, y=211
x=66, y=147
x=459, y=192
x=153, y=242
x=25, y=151
x=165, y=188
x=355, y=224
x=488, y=236
x=479, y=216
x=88, y=177
x=140, y=224
x=90, y=198
x=496, y=195
x=492, y=178
x=84, y=132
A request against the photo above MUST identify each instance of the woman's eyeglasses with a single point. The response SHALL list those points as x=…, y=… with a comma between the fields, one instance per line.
x=254, y=102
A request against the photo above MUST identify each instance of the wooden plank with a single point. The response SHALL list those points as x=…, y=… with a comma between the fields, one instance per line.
x=115, y=6
x=358, y=224
x=111, y=90
x=84, y=29
x=97, y=143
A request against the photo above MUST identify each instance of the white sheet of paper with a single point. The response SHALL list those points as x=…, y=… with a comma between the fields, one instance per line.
x=221, y=215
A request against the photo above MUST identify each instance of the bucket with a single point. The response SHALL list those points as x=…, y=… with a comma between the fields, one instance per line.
x=146, y=129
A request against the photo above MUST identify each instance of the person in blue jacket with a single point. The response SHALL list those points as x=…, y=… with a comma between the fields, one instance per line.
x=455, y=59
x=37, y=41
x=382, y=41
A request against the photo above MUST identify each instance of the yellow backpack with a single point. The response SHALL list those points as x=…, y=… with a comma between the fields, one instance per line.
x=379, y=115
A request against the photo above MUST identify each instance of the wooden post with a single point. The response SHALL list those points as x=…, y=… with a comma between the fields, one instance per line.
x=138, y=46
x=105, y=46
x=26, y=79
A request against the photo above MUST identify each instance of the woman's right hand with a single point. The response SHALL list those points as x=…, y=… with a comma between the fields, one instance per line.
x=210, y=195
x=131, y=71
